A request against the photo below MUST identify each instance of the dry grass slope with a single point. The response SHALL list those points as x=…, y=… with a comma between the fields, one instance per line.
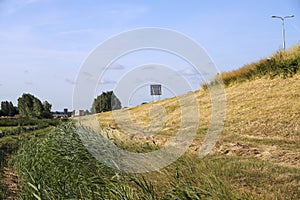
x=262, y=120
x=261, y=136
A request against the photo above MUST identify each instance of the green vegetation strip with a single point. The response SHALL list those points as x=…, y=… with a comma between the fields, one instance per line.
x=9, y=146
x=58, y=166
x=20, y=126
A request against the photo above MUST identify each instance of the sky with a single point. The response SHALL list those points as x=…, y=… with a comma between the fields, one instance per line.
x=44, y=43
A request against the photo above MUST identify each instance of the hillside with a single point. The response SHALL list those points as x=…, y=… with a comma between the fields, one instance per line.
x=262, y=125
x=257, y=155
x=262, y=115
x=262, y=120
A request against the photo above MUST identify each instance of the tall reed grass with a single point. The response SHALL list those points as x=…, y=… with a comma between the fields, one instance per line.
x=59, y=167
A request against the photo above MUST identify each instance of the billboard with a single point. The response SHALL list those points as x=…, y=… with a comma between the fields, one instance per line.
x=155, y=89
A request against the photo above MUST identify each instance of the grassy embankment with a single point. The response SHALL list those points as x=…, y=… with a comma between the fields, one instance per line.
x=257, y=155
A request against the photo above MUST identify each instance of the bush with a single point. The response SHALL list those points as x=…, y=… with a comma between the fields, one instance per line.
x=283, y=64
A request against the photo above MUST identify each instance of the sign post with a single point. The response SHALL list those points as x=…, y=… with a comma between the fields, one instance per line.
x=155, y=90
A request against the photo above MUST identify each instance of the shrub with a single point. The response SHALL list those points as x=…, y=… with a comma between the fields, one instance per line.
x=282, y=63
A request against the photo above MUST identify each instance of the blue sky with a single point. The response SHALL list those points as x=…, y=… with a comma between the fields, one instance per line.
x=45, y=42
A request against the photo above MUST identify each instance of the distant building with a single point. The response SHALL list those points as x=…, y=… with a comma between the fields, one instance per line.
x=78, y=113
x=64, y=114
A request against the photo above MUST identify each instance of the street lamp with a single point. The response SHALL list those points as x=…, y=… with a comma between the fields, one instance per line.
x=283, y=31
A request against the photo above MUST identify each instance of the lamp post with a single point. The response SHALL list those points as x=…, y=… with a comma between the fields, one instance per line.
x=283, y=31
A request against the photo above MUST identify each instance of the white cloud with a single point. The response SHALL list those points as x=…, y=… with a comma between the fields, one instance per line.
x=78, y=31
x=70, y=81
x=193, y=72
x=116, y=66
x=106, y=82
x=10, y=7
x=28, y=83
x=125, y=11
x=88, y=74
x=189, y=72
x=153, y=67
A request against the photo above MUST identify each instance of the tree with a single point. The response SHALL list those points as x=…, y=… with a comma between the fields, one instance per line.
x=37, y=108
x=30, y=106
x=8, y=109
x=107, y=101
x=47, y=110
x=5, y=108
x=25, y=105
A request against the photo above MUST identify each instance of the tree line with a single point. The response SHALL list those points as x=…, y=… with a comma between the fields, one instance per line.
x=28, y=106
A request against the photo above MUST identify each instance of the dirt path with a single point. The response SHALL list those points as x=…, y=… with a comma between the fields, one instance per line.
x=11, y=181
